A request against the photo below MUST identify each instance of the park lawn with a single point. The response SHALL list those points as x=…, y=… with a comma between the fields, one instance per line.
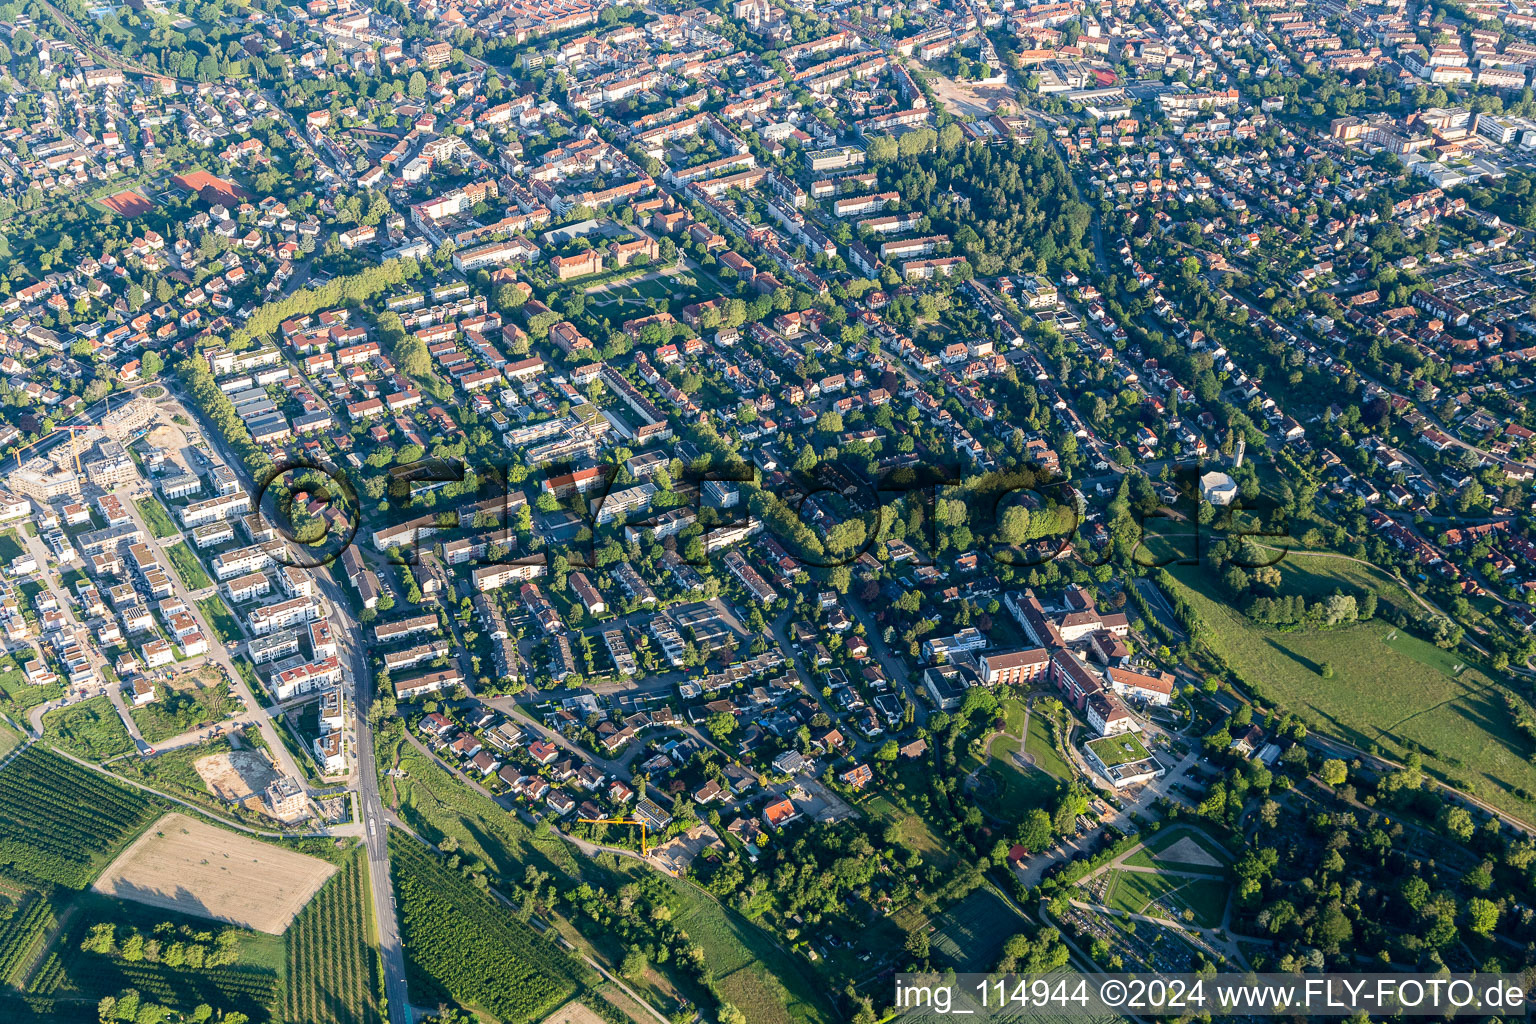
x=1390, y=691
x=1013, y=716
x=220, y=619
x=155, y=517
x=1118, y=750
x=89, y=729
x=188, y=567
x=10, y=548
x=1136, y=891
x=969, y=936
x=1004, y=790
x=648, y=284
x=1039, y=747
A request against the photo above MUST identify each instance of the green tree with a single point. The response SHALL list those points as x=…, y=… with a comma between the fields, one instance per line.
x=1035, y=834
x=917, y=942
x=720, y=725
x=1013, y=527
x=1457, y=822
x=1482, y=915
x=1334, y=772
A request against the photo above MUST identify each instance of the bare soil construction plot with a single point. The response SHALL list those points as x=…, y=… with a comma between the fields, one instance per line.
x=677, y=853
x=236, y=776
x=167, y=436
x=185, y=865
x=205, y=675
x=972, y=98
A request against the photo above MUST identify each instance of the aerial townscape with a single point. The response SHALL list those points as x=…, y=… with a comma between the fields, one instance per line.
x=589, y=512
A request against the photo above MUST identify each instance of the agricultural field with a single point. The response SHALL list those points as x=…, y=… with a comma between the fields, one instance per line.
x=191, y=867
x=27, y=920
x=464, y=947
x=155, y=517
x=88, y=728
x=64, y=841
x=333, y=973
x=969, y=936
x=10, y=738
x=187, y=566
x=178, y=961
x=574, y=1013
x=1389, y=690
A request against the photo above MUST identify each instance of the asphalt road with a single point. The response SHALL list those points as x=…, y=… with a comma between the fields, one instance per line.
x=375, y=826
x=351, y=648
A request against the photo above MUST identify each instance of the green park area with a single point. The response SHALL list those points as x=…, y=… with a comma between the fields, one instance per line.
x=188, y=567
x=640, y=290
x=1200, y=901
x=1376, y=687
x=155, y=517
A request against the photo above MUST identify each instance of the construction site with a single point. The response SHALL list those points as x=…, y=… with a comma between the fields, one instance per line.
x=58, y=465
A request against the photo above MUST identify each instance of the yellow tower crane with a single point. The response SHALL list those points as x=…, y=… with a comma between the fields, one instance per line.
x=74, y=443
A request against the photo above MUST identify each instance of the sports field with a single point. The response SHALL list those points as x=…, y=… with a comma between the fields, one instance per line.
x=129, y=203
x=1183, y=850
